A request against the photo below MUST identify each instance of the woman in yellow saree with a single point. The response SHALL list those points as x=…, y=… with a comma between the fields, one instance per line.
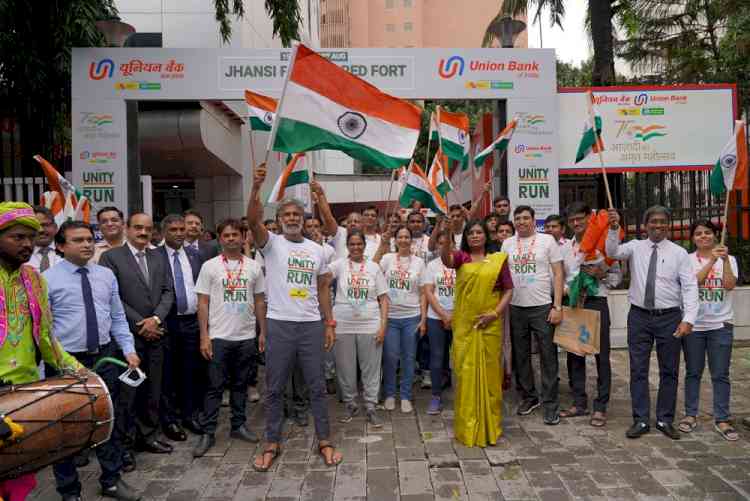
x=483, y=291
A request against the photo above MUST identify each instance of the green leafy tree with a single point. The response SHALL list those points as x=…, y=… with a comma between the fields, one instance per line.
x=574, y=76
x=284, y=13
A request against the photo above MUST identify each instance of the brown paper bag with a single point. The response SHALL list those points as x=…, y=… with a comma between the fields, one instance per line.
x=579, y=331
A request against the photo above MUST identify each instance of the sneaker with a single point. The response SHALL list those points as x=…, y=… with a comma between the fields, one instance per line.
x=351, y=411
x=225, y=399
x=374, y=419
x=390, y=404
x=406, y=407
x=527, y=407
x=426, y=381
x=252, y=394
x=551, y=418
x=435, y=406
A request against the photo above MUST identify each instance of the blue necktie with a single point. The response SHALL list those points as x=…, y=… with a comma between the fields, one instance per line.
x=179, y=285
x=92, y=326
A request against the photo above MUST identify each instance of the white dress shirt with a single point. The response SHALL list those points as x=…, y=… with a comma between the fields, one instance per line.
x=135, y=252
x=36, y=257
x=676, y=284
x=187, y=277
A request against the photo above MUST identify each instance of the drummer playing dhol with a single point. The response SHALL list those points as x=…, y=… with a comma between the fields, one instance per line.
x=25, y=318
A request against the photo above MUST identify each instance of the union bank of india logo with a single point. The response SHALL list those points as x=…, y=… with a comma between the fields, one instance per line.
x=99, y=70
x=448, y=68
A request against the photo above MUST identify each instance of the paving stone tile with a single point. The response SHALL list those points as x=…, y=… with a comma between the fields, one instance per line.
x=670, y=477
x=414, y=478
x=382, y=484
x=448, y=484
x=441, y=454
x=478, y=476
x=513, y=483
x=553, y=494
x=606, y=479
x=158, y=489
x=254, y=485
x=224, y=481
x=197, y=476
x=351, y=480
x=578, y=483
x=619, y=494
x=544, y=480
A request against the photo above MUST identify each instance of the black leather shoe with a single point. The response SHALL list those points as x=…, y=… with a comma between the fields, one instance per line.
x=121, y=491
x=668, y=430
x=205, y=442
x=71, y=497
x=639, y=428
x=154, y=447
x=175, y=432
x=128, y=462
x=192, y=426
x=244, y=434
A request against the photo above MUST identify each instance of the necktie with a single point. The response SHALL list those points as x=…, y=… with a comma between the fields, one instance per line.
x=142, y=265
x=179, y=285
x=649, y=300
x=44, y=263
x=92, y=326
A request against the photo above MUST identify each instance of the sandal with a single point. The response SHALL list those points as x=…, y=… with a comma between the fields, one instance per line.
x=598, y=420
x=729, y=433
x=274, y=452
x=687, y=424
x=336, y=457
x=573, y=411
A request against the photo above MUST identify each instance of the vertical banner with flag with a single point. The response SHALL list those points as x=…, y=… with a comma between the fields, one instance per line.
x=63, y=199
x=262, y=111
x=294, y=182
x=451, y=130
x=324, y=107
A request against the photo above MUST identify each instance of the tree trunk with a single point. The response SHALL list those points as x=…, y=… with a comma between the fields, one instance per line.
x=600, y=13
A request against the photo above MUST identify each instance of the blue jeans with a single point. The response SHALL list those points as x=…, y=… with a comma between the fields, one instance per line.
x=440, y=339
x=718, y=344
x=400, y=343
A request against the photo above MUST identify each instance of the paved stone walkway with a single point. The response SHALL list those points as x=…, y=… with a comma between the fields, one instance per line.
x=413, y=457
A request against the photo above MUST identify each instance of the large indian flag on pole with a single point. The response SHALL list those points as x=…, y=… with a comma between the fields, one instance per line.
x=591, y=141
x=63, y=199
x=294, y=182
x=324, y=107
x=262, y=110
x=451, y=130
x=730, y=171
x=418, y=187
x=437, y=175
x=499, y=144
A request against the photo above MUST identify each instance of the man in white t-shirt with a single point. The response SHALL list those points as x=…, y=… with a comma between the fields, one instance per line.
x=536, y=267
x=299, y=290
x=230, y=291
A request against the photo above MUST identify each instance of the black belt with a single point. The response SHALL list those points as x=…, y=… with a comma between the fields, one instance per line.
x=102, y=347
x=657, y=312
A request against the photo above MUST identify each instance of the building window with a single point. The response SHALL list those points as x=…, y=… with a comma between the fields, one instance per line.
x=389, y=4
x=390, y=28
x=408, y=26
x=407, y=3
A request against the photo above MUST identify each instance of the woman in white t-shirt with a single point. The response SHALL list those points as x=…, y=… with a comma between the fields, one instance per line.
x=361, y=313
x=713, y=332
x=406, y=314
x=439, y=283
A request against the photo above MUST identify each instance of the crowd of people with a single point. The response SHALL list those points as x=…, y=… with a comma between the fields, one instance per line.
x=348, y=308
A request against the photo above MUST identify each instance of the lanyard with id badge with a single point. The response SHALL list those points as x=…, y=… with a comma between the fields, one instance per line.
x=358, y=289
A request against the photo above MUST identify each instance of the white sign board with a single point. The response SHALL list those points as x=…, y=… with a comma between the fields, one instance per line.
x=649, y=128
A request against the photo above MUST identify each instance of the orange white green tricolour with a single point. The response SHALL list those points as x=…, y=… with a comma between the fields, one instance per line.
x=438, y=176
x=63, y=199
x=730, y=171
x=452, y=131
x=262, y=110
x=418, y=187
x=591, y=140
x=325, y=107
x=295, y=173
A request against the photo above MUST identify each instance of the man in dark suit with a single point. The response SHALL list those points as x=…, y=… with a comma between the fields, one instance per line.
x=147, y=295
x=184, y=382
x=194, y=232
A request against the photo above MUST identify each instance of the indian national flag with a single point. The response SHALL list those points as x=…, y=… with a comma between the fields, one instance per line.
x=437, y=175
x=294, y=182
x=262, y=110
x=591, y=142
x=499, y=144
x=730, y=171
x=418, y=187
x=452, y=131
x=63, y=199
x=324, y=107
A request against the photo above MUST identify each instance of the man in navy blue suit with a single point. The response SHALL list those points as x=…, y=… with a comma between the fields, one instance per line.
x=184, y=369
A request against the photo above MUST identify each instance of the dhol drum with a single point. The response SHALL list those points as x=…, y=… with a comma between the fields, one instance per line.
x=60, y=416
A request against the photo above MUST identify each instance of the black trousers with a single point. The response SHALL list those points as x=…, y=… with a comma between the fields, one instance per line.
x=184, y=372
x=644, y=329
x=526, y=321
x=230, y=366
x=109, y=453
x=577, y=364
x=146, y=399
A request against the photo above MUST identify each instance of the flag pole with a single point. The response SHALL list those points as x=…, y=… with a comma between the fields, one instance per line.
x=388, y=198
x=275, y=126
x=726, y=218
x=598, y=143
x=429, y=138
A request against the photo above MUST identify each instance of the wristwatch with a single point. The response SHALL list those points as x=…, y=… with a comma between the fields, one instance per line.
x=331, y=323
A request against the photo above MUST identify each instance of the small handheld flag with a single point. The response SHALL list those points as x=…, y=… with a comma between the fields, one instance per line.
x=64, y=200
x=591, y=141
x=730, y=171
x=452, y=131
x=262, y=111
x=499, y=144
x=418, y=187
x=437, y=176
x=294, y=182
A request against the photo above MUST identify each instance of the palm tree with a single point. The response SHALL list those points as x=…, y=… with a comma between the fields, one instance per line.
x=600, y=20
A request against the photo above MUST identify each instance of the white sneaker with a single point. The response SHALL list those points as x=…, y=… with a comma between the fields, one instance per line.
x=252, y=394
x=406, y=407
x=390, y=404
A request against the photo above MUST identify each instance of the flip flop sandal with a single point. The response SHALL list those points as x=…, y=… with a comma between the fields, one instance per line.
x=598, y=422
x=687, y=424
x=570, y=413
x=274, y=452
x=334, y=461
x=728, y=433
